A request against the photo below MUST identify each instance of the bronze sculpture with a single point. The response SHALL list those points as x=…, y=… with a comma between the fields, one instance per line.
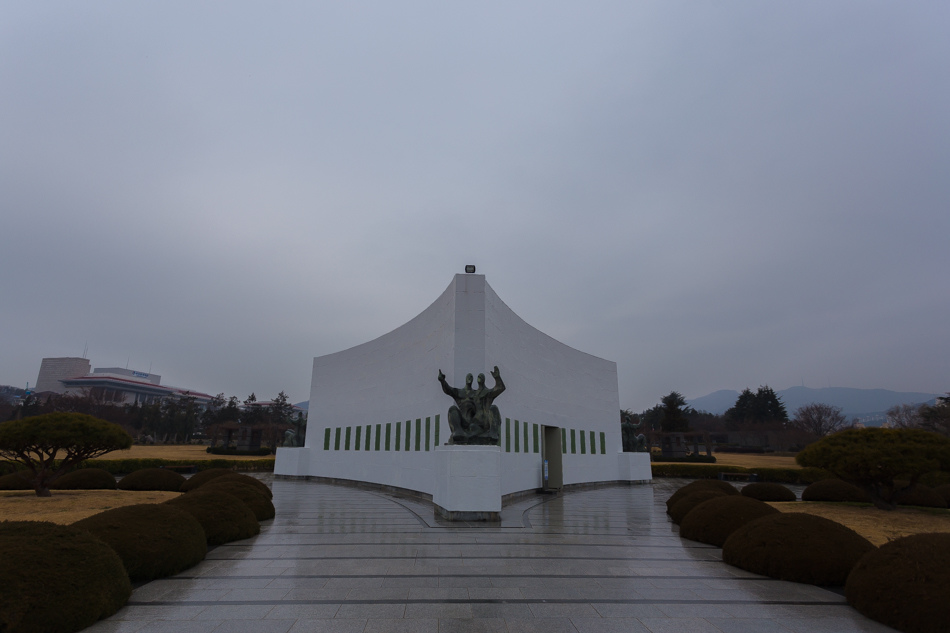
x=633, y=442
x=473, y=419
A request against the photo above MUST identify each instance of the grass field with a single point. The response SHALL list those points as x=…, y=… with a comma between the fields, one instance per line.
x=183, y=451
x=69, y=506
x=753, y=460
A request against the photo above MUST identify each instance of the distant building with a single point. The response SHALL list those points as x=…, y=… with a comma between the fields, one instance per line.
x=115, y=384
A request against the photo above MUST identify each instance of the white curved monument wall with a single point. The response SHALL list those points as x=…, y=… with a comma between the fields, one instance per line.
x=377, y=411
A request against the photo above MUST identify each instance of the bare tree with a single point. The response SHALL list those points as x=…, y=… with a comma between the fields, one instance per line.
x=819, y=419
x=904, y=416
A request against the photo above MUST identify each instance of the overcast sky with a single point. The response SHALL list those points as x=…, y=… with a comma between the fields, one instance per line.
x=715, y=195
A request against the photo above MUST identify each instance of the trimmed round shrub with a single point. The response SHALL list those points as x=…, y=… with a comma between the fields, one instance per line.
x=203, y=477
x=257, y=484
x=764, y=491
x=701, y=484
x=685, y=505
x=905, y=584
x=56, y=578
x=260, y=505
x=920, y=495
x=85, y=479
x=152, y=479
x=796, y=547
x=14, y=481
x=153, y=540
x=834, y=490
x=223, y=516
x=944, y=491
x=714, y=520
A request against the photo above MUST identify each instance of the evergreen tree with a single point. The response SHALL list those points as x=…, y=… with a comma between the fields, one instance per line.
x=674, y=416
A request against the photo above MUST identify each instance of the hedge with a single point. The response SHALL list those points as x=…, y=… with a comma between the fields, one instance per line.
x=152, y=479
x=905, y=583
x=85, y=479
x=56, y=578
x=796, y=547
x=154, y=540
x=224, y=517
x=692, y=459
x=802, y=476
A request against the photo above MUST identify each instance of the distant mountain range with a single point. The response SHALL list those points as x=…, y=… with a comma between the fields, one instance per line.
x=868, y=405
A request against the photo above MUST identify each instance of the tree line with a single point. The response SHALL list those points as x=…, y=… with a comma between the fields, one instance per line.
x=173, y=419
x=763, y=411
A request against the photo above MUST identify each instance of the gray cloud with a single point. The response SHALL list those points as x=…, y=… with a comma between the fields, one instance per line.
x=715, y=196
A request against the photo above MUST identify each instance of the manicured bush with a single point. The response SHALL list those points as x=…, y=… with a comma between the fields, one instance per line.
x=768, y=492
x=685, y=505
x=872, y=458
x=714, y=520
x=701, y=484
x=14, y=481
x=152, y=479
x=86, y=479
x=56, y=578
x=201, y=478
x=905, y=584
x=35, y=442
x=922, y=496
x=257, y=484
x=835, y=490
x=944, y=491
x=260, y=505
x=796, y=547
x=224, y=517
x=153, y=540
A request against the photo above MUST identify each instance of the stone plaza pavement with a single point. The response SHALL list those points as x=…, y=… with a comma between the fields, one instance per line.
x=345, y=560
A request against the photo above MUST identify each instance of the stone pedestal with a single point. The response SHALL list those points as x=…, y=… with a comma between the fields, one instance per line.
x=634, y=467
x=468, y=486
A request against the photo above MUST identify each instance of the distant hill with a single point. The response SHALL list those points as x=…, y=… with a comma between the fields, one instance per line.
x=868, y=405
x=305, y=405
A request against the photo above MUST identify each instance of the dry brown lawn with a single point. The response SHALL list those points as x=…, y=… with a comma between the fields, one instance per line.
x=69, y=506
x=753, y=460
x=184, y=451
x=877, y=526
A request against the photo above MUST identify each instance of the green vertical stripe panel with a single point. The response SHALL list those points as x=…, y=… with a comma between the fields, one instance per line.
x=583, y=442
x=326, y=439
x=603, y=443
x=428, y=427
x=593, y=446
x=389, y=428
x=346, y=439
x=418, y=434
x=507, y=435
x=336, y=439
x=408, y=427
x=398, y=434
x=368, y=427
x=517, y=437
x=573, y=442
x=524, y=428
x=534, y=430
x=437, y=430
x=379, y=428
x=359, y=436
x=564, y=441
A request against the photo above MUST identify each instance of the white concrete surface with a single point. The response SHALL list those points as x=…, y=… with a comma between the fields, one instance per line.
x=378, y=414
x=469, y=478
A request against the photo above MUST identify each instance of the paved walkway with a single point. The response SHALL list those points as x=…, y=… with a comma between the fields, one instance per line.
x=345, y=560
